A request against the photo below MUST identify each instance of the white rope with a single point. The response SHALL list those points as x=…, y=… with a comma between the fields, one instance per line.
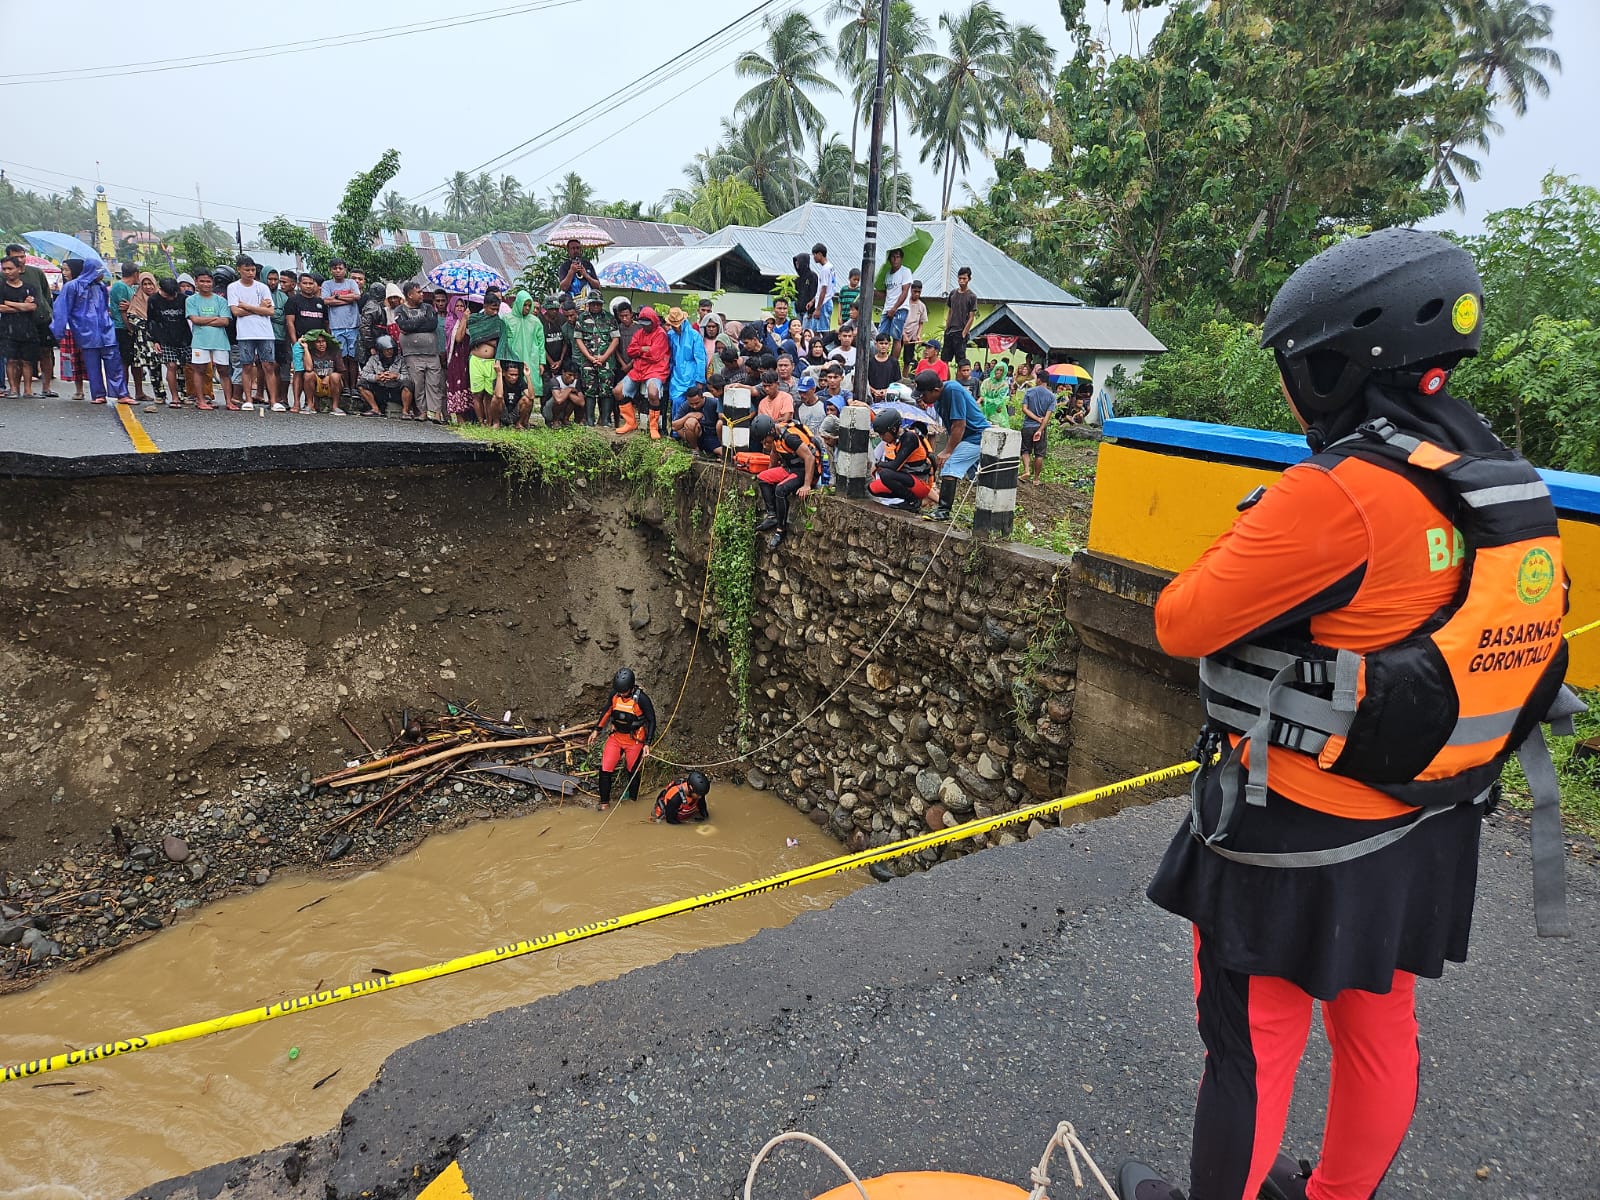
x=889, y=627
x=1065, y=1138
x=796, y=1136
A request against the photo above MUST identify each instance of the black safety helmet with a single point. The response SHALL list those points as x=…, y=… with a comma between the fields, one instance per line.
x=699, y=784
x=622, y=681
x=761, y=428
x=222, y=276
x=886, y=422
x=1386, y=301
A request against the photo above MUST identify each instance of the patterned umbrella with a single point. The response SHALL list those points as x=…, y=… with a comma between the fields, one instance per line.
x=465, y=277
x=51, y=271
x=626, y=273
x=584, y=235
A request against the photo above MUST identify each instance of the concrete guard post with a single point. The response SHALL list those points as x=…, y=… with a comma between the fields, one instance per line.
x=999, y=463
x=851, y=463
x=736, y=407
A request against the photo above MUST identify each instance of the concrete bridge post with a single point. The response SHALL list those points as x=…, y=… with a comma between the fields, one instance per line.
x=852, y=465
x=737, y=405
x=999, y=461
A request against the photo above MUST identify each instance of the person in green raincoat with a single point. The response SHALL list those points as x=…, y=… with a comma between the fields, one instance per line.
x=523, y=340
x=994, y=394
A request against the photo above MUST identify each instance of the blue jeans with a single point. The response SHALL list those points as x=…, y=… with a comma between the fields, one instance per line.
x=962, y=459
x=819, y=323
x=347, y=341
x=894, y=326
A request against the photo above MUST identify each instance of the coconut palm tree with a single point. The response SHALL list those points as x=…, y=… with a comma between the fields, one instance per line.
x=1504, y=57
x=829, y=178
x=573, y=196
x=1451, y=163
x=857, y=46
x=458, y=196
x=746, y=151
x=485, y=195
x=1031, y=66
x=727, y=201
x=393, y=210
x=510, y=191
x=962, y=86
x=790, y=69
x=903, y=86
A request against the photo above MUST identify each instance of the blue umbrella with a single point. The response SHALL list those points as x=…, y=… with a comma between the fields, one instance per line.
x=466, y=277
x=61, y=245
x=635, y=276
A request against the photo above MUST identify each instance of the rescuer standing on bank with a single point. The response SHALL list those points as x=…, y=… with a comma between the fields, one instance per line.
x=1335, y=623
x=633, y=727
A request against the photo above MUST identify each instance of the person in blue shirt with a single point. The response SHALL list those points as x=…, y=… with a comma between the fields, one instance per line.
x=965, y=422
x=1038, y=406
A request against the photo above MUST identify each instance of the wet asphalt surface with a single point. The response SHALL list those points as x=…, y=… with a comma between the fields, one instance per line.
x=68, y=438
x=947, y=1021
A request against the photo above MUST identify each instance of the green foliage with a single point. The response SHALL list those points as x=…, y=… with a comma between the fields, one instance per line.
x=785, y=287
x=731, y=201
x=732, y=566
x=1542, y=259
x=542, y=276
x=354, y=230
x=1215, y=370
x=1579, y=774
x=560, y=457
x=1553, y=368
x=191, y=252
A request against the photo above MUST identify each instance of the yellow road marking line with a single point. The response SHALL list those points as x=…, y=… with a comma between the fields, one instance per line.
x=136, y=434
x=449, y=1185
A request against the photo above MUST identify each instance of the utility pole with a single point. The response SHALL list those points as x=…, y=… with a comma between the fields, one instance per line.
x=869, y=250
x=150, y=222
x=199, y=204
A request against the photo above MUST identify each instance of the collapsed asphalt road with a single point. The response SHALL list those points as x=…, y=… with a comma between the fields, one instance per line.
x=947, y=1021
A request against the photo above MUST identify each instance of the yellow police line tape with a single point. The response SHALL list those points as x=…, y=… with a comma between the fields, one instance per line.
x=367, y=987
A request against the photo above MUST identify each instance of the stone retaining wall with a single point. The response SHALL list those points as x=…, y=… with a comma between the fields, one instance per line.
x=962, y=711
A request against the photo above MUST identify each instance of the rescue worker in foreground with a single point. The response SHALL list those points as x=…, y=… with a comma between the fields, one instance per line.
x=795, y=455
x=633, y=727
x=906, y=471
x=684, y=800
x=1332, y=624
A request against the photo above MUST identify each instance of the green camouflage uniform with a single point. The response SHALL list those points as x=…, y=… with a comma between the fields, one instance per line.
x=595, y=331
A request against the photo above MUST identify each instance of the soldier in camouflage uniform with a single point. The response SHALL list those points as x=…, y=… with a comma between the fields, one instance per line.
x=594, y=352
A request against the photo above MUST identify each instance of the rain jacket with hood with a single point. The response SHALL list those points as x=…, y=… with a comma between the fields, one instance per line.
x=84, y=307
x=805, y=283
x=648, y=348
x=688, y=361
x=524, y=334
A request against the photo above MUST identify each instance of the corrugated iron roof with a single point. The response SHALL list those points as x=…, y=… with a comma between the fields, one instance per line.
x=419, y=239
x=1071, y=327
x=676, y=263
x=626, y=232
x=995, y=275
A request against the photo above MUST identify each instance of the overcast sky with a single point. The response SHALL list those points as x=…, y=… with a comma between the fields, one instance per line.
x=284, y=133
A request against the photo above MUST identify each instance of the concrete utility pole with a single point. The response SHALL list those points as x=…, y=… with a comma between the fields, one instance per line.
x=869, y=251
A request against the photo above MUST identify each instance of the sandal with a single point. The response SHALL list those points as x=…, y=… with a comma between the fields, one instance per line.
x=202, y=406
x=51, y=395
x=98, y=400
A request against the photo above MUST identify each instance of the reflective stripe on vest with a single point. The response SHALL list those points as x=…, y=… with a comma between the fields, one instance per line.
x=1494, y=650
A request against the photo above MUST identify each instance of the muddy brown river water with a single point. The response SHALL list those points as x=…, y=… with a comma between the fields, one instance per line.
x=106, y=1129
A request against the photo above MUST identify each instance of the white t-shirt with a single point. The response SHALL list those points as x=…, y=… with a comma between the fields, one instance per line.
x=892, y=286
x=252, y=327
x=827, y=283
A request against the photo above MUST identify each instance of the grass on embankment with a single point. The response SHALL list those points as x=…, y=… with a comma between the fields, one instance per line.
x=1579, y=776
x=559, y=457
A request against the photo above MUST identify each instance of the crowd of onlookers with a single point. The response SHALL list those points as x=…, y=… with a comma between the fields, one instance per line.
x=234, y=338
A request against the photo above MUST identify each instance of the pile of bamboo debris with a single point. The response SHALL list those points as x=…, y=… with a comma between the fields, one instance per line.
x=429, y=751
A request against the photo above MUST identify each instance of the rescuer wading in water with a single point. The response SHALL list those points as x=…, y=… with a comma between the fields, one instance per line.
x=1356, y=618
x=633, y=727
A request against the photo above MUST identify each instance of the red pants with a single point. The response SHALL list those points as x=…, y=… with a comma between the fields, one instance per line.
x=1255, y=1028
x=620, y=746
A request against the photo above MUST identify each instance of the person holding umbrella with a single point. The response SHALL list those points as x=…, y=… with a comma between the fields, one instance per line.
x=578, y=271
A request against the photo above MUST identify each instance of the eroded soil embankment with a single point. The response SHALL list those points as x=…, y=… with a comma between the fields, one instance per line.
x=164, y=636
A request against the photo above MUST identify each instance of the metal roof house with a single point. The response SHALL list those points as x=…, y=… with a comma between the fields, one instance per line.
x=1101, y=340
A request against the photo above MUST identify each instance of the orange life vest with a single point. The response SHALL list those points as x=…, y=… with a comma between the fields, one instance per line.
x=627, y=715
x=1433, y=717
x=677, y=799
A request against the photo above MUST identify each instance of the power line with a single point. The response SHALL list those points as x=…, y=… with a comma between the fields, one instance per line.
x=143, y=191
x=219, y=58
x=637, y=87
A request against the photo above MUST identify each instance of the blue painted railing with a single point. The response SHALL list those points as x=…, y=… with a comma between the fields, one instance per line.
x=1573, y=493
